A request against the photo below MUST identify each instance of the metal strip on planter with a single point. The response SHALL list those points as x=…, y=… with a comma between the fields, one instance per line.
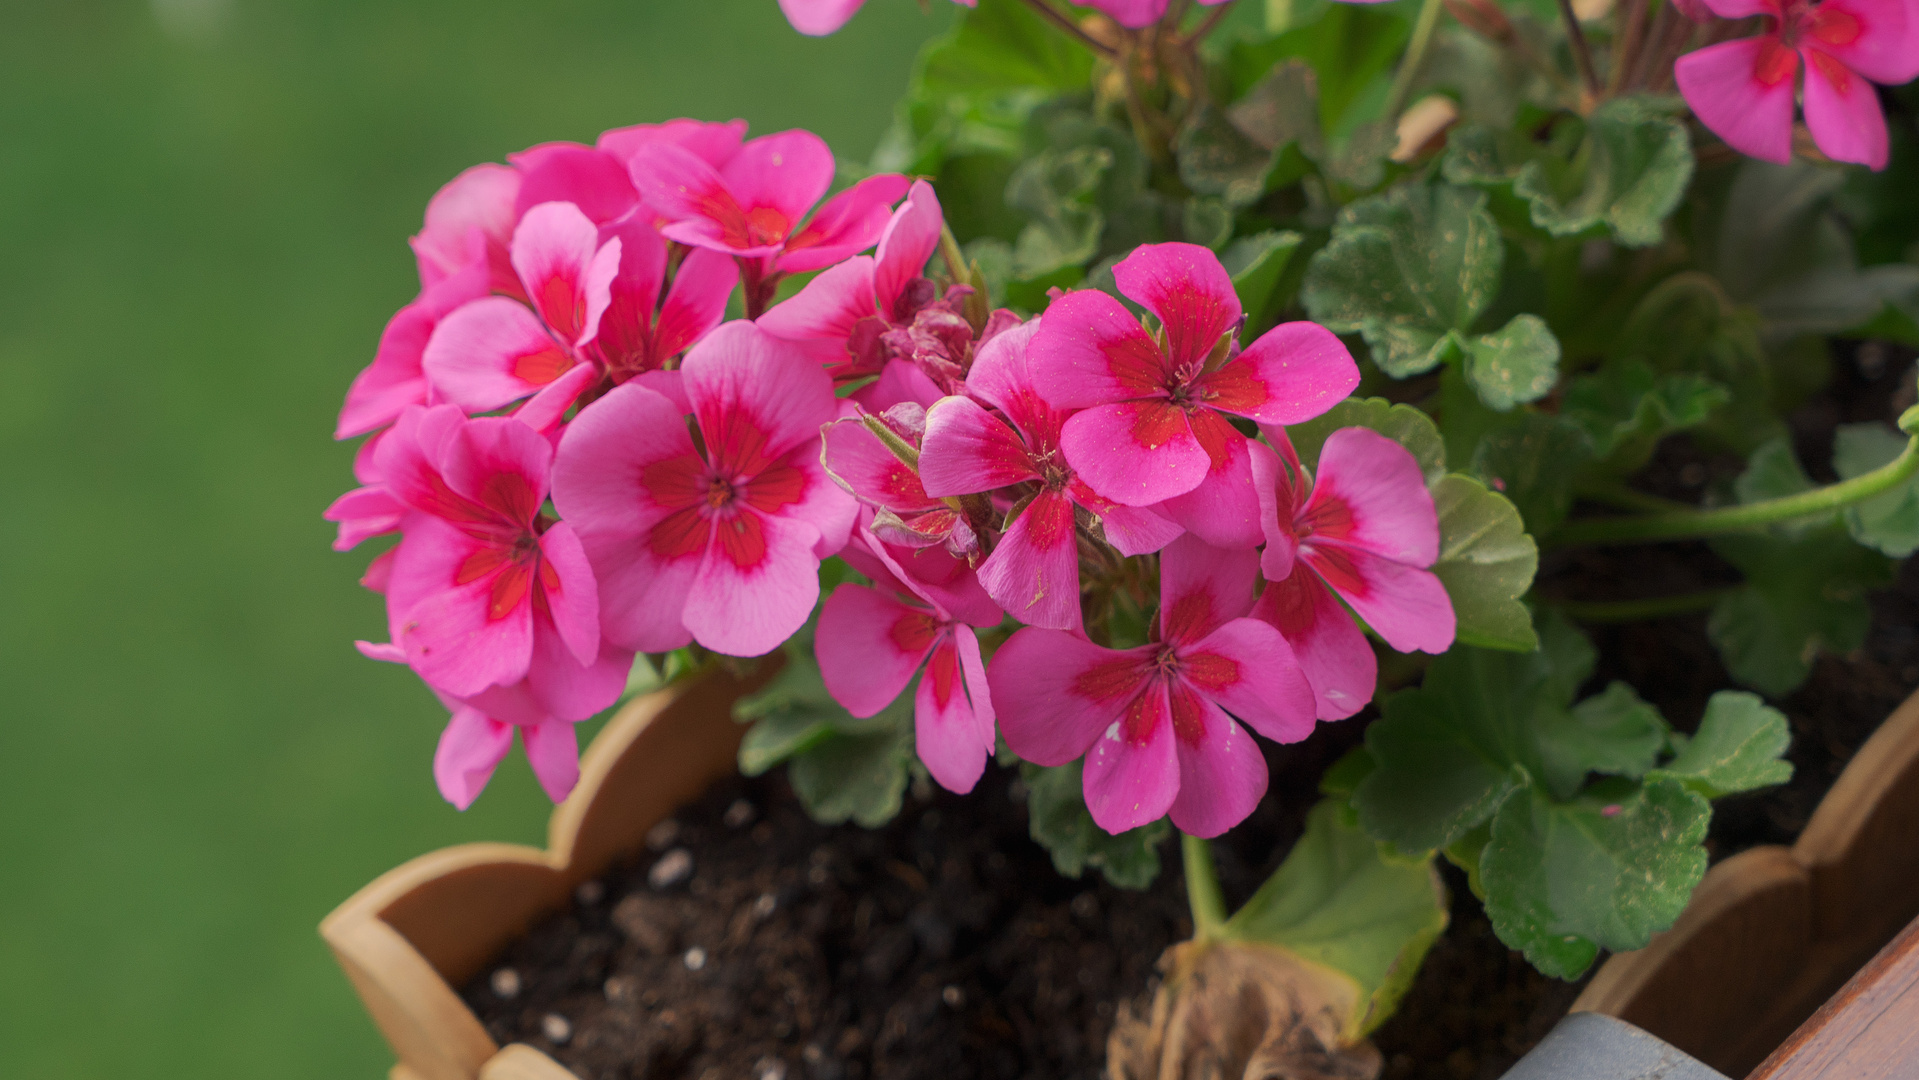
x=1589, y=1046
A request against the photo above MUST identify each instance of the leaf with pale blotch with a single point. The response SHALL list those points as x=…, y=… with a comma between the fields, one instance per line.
x=1613, y=732
x=1487, y=562
x=1406, y=270
x=1606, y=870
x=1739, y=747
x=1888, y=521
x=1058, y=820
x=1056, y=189
x=1216, y=158
x=859, y=778
x=1532, y=458
x=1626, y=407
x=1515, y=364
x=1404, y=424
x=1336, y=902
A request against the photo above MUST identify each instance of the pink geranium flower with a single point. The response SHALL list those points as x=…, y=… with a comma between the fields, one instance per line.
x=1744, y=90
x=755, y=207
x=473, y=745
x=1364, y=529
x=1151, y=426
x=843, y=313
x=496, y=350
x=1034, y=570
x=717, y=541
x=817, y=18
x=396, y=378
x=859, y=462
x=1134, y=14
x=870, y=641
x=486, y=591
x=1152, y=722
x=646, y=322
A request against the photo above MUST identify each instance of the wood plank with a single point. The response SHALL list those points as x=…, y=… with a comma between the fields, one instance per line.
x=1869, y=1030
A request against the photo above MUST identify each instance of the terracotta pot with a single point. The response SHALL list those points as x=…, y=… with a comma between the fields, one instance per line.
x=418, y=931
x=1770, y=935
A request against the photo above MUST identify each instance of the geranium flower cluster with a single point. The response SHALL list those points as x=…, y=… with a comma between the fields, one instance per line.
x=585, y=461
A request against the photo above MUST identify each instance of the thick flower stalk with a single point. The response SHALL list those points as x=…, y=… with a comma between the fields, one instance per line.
x=1745, y=90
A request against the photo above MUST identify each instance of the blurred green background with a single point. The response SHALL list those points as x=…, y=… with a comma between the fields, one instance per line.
x=204, y=207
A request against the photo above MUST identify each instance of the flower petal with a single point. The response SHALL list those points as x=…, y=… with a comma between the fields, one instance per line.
x=491, y=353
x=1131, y=782
x=1875, y=38
x=863, y=465
x=501, y=464
x=1747, y=105
x=1842, y=109
x=1294, y=372
x=969, y=450
x=1222, y=774
x=693, y=199
x=364, y=512
x=1132, y=530
x=1002, y=377
x=395, y=378
x=869, y=645
x=1034, y=572
x=566, y=271
x=947, y=726
x=1190, y=292
x=786, y=171
x=849, y=223
x=1136, y=452
x=756, y=397
x=471, y=747
x=817, y=18
x=1273, y=487
x=1371, y=494
x=1202, y=587
x=756, y=586
x=1224, y=509
x=1089, y=350
x=1330, y=647
x=553, y=749
x=450, y=633
x=713, y=143
x=1056, y=692
x=1405, y=605
x=827, y=308
x=571, y=593
x=1247, y=667
x=595, y=182
x=911, y=237
x=479, y=200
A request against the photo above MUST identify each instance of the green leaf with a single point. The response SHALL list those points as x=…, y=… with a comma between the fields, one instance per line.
x=1804, y=595
x=1688, y=325
x=1487, y=562
x=1606, y=870
x=1055, y=189
x=1000, y=45
x=1889, y=521
x=1737, y=748
x=1351, y=48
x=1613, y=732
x=1624, y=176
x=1257, y=264
x=1059, y=822
x=1404, y=424
x=1516, y=364
x=857, y=778
x=1216, y=158
x=1532, y=459
x=1406, y=270
x=1772, y=472
x=1336, y=902
x=1626, y=407
x=1450, y=752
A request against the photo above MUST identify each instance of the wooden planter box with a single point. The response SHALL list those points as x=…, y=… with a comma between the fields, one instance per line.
x=1770, y=935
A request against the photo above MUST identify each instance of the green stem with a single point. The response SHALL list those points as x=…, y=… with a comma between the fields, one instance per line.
x=1415, y=57
x=1692, y=524
x=1614, y=493
x=1202, y=887
x=1582, y=52
x=1657, y=607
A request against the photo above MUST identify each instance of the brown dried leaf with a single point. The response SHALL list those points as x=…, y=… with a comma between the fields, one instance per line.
x=1241, y=1011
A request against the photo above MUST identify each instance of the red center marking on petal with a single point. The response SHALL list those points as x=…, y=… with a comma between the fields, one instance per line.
x=1193, y=320
x=765, y=225
x=1049, y=520
x=509, y=591
x=1835, y=72
x=1290, y=602
x=742, y=539
x=676, y=482
x=1215, y=436
x=778, y=486
x=1328, y=515
x=1833, y=26
x=481, y=563
x=1209, y=671
x=1234, y=388
x=1189, y=618
x=563, y=306
x=944, y=670
x=1110, y=681
x=735, y=441
x=1336, y=568
x=719, y=207
x=512, y=496
x=680, y=534
x=1143, y=716
x=902, y=485
x=1156, y=423
x=1189, y=716
x=543, y=366
x=1136, y=362
x=1775, y=63
x=914, y=631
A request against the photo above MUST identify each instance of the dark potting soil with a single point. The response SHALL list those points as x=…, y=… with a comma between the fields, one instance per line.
x=751, y=942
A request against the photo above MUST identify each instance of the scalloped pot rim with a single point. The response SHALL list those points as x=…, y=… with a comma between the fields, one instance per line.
x=1823, y=906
